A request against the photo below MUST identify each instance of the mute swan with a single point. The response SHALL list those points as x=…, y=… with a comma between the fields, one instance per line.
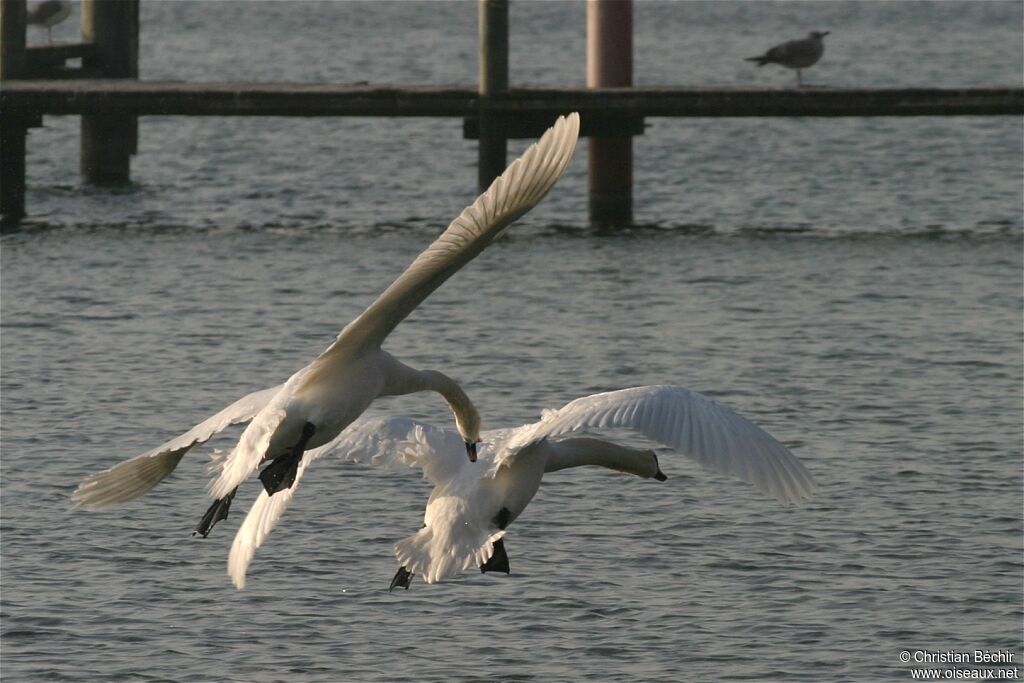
x=472, y=504
x=795, y=54
x=323, y=398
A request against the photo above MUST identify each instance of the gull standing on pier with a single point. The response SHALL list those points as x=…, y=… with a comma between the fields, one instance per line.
x=48, y=14
x=323, y=398
x=472, y=505
x=795, y=54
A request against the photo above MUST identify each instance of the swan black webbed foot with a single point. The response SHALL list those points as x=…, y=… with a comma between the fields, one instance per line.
x=498, y=561
x=659, y=475
x=280, y=473
x=403, y=577
x=215, y=513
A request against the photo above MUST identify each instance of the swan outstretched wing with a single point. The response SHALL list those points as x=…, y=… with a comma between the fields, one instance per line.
x=362, y=441
x=259, y=522
x=132, y=478
x=398, y=443
x=689, y=422
x=513, y=193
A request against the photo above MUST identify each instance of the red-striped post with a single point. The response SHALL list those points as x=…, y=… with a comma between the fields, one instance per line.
x=610, y=65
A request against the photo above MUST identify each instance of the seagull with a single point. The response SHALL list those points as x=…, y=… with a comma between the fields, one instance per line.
x=324, y=397
x=795, y=54
x=48, y=14
x=473, y=504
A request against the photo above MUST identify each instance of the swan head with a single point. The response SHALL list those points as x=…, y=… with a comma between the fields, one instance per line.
x=467, y=421
x=818, y=35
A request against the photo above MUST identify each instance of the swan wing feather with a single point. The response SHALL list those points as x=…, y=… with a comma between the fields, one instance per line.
x=398, y=443
x=698, y=426
x=132, y=478
x=395, y=443
x=258, y=523
x=513, y=193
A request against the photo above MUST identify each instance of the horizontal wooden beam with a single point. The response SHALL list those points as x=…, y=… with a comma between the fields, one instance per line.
x=48, y=55
x=529, y=124
x=162, y=98
x=49, y=62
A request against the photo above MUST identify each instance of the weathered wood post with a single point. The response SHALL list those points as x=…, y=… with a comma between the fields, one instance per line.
x=610, y=64
x=13, y=129
x=493, y=145
x=109, y=140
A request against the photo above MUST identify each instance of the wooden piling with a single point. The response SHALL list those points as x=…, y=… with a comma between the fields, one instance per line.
x=12, y=176
x=493, y=144
x=610, y=65
x=108, y=141
x=36, y=82
x=12, y=38
x=13, y=128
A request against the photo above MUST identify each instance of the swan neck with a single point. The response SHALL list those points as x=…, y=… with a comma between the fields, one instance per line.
x=467, y=419
x=401, y=379
x=580, y=451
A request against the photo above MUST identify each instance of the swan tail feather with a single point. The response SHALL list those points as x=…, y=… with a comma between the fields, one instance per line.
x=434, y=557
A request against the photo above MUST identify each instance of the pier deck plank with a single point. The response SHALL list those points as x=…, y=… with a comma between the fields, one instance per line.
x=166, y=98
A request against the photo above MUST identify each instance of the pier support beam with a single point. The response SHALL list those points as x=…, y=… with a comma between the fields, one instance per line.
x=610, y=65
x=493, y=144
x=109, y=140
x=12, y=38
x=13, y=129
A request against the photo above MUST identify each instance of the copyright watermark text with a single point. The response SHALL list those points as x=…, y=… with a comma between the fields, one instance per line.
x=975, y=665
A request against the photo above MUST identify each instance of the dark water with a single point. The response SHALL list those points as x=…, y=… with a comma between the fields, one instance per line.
x=854, y=286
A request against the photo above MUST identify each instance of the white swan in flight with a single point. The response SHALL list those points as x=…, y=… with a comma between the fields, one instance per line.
x=472, y=504
x=321, y=399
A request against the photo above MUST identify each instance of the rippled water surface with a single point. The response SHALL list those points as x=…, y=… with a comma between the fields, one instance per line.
x=854, y=286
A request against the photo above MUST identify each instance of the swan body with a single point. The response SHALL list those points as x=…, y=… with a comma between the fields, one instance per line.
x=473, y=503
x=316, y=403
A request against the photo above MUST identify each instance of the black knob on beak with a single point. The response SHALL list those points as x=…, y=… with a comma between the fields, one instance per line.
x=471, y=451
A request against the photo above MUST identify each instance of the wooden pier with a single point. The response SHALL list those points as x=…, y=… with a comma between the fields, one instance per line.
x=105, y=92
x=168, y=98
